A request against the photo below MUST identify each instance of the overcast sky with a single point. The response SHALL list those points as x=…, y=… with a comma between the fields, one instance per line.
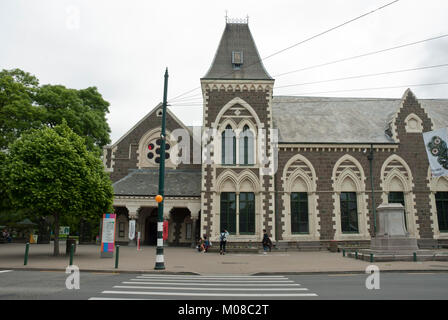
x=123, y=47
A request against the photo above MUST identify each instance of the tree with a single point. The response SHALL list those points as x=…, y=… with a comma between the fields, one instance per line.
x=24, y=105
x=17, y=112
x=50, y=172
x=84, y=110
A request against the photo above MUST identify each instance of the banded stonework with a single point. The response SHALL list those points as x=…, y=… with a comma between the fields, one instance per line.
x=318, y=146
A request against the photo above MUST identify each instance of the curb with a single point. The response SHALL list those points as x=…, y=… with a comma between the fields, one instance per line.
x=350, y=272
x=103, y=271
x=113, y=271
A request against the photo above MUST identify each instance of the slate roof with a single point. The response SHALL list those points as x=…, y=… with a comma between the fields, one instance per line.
x=343, y=120
x=145, y=182
x=237, y=37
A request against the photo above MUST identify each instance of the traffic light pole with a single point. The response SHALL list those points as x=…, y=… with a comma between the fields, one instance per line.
x=160, y=262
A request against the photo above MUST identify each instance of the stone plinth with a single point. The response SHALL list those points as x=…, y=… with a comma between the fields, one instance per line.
x=392, y=236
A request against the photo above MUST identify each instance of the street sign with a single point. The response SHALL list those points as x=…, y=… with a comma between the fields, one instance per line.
x=131, y=229
x=64, y=231
x=437, y=151
x=108, y=236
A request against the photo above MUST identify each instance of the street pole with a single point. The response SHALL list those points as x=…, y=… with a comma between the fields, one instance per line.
x=370, y=157
x=160, y=263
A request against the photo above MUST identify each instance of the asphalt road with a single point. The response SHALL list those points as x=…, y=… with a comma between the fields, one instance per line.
x=30, y=285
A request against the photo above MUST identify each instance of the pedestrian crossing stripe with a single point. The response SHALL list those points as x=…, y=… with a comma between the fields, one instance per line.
x=162, y=293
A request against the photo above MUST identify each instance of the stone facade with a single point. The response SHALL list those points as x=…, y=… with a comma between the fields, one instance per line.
x=323, y=170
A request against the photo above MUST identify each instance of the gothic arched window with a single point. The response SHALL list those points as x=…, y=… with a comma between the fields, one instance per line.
x=246, y=142
x=228, y=146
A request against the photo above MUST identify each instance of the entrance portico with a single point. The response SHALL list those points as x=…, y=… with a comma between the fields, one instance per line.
x=182, y=214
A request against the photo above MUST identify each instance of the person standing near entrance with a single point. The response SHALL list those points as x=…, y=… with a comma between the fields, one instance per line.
x=267, y=243
x=223, y=241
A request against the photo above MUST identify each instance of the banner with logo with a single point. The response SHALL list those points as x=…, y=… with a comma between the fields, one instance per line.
x=108, y=235
x=437, y=151
x=131, y=229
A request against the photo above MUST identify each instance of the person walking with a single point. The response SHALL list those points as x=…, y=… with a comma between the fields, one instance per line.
x=267, y=243
x=223, y=241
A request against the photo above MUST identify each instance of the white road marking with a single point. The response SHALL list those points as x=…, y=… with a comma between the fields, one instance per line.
x=215, y=289
x=211, y=278
x=100, y=298
x=214, y=284
x=3, y=271
x=215, y=281
x=155, y=293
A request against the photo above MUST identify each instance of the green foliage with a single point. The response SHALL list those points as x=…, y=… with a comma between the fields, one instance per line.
x=26, y=105
x=17, y=112
x=49, y=171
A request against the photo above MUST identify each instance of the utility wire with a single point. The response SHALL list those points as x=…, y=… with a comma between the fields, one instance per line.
x=299, y=43
x=331, y=29
x=362, y=76
x=377, y=88
x=360, y=56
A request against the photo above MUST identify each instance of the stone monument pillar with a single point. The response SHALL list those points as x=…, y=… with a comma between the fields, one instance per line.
x=391, y=236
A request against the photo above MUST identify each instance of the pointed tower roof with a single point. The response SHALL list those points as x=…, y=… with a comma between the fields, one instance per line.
x=237, y=56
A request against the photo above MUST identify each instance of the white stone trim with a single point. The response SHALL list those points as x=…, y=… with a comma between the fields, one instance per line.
x=361, y=199
x=433, y=184
x=408, y=185
x=313, y=213
x=152, y=135
x=418, y=127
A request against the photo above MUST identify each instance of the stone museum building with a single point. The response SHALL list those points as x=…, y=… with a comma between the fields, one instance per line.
x=309, y=170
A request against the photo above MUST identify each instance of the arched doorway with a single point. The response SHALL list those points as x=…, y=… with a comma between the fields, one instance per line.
x=151, y=229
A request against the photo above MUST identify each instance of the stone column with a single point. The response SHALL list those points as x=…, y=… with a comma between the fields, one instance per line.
x=133, y=215
x=194, y=209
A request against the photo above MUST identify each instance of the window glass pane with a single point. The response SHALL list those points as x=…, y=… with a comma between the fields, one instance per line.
x=349, y=212
x=442, y=210
x=228, y=212
x=247, y=212
x=299, y=212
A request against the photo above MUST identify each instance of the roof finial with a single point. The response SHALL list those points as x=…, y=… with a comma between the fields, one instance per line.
x=226, y=16
x=247, y=19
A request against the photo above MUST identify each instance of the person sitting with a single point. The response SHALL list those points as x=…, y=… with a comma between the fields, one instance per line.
x=207, y=244
x=200, y=245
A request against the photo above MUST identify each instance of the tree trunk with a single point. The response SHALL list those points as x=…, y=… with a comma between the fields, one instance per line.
x=56, y=235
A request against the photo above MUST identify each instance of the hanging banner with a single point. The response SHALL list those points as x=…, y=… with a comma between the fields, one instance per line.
x=437, y=151
x=165, y=230
x=131, y=229
x=108, y=236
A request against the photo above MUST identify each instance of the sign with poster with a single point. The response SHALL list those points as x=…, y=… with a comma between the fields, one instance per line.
x=64, y=231
x=108, y=236
x=437, y=151
x=131, y=229
x=165, y=230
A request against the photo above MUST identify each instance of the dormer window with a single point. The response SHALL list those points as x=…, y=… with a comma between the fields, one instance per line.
x=237, y=59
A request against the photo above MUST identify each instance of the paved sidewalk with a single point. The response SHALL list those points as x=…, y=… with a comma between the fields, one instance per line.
x=188, y=260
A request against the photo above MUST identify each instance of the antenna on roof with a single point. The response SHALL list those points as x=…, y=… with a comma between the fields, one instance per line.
x=247, y=19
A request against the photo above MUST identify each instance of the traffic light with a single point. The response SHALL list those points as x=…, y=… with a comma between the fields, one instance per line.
x=150, y=154
x=158, y=150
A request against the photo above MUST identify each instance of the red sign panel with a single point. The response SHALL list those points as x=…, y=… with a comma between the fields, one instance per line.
x=165, y=230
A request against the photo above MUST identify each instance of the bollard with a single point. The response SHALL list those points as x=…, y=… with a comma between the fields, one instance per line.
x=356, y=254
x=415, y=257
x=72, y=249
x=27, y=248
x=117, y=254
x=371, y=257
x=343, y=252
